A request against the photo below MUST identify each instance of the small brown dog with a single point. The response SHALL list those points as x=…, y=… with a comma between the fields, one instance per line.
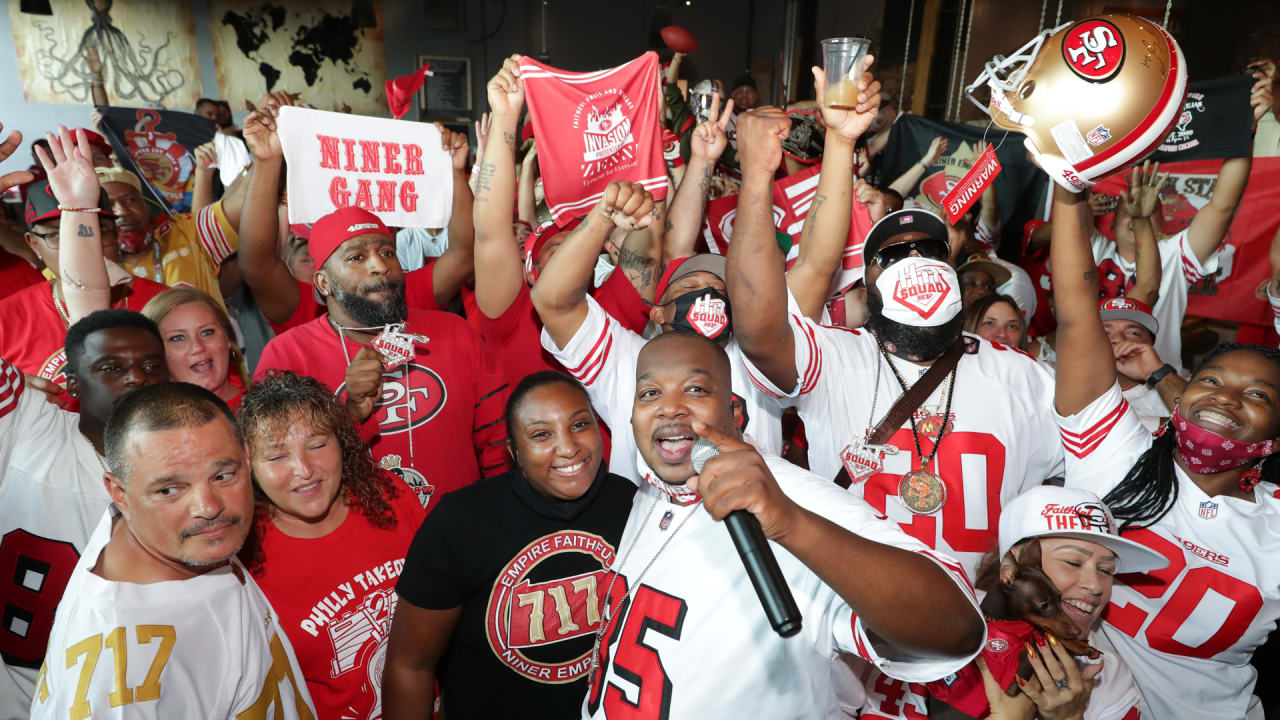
x=1031, y=596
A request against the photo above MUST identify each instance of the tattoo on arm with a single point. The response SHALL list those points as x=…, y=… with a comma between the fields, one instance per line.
x=1090, y=276
x=85, y=231
x=510, y=139
x=639, y=268
x=484, y=181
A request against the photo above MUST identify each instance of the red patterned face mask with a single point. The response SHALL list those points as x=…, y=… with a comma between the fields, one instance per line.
x=1207, y=452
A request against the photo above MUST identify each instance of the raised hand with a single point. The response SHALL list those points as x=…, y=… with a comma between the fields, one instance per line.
x=455, y=143
x=206, y=156
x=760, y=135
x=873, y=199
x=1136, y=360
x=709, y=139
x=1101, y=203
x=70, y=169
x=261, y=134
x=1261, y=99
x=482, y=135
x=7, y=148
x=851, y=124
x=1143, y=192
x=506, y=89
x=936, y=150
x=627, y=204
x=364, y=383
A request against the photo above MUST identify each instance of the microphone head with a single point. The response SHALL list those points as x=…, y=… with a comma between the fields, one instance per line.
x=703, y=450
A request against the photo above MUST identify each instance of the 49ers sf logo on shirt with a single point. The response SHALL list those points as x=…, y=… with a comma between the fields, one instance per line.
x=1094, y=50
x=540, y=623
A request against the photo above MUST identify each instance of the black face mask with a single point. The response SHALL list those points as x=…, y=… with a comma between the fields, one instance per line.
x=706, y=312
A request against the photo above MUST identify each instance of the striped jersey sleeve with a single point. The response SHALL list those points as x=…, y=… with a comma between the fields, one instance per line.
x=12, y=385
x=216, y=235
x=1192, y=269
x=809, y=355
x=602, y=356
x=1102, y=442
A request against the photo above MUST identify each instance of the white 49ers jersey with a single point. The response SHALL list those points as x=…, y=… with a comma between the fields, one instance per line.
x=1179, y=269
x=51, y=496
x=208, y=647
x=690, y=639
x=999, y=439
x=602, y=356
x=1189, y=630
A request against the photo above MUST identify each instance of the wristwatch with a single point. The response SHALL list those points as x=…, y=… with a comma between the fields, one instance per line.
x=1159, y=375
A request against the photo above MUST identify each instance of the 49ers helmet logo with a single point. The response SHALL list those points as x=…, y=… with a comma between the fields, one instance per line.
x=1094, y=50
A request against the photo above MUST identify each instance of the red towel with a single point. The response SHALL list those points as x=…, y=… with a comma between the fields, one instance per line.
x=593, y=128
x=400, y=91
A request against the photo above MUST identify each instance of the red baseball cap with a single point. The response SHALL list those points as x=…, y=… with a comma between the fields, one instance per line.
x=339, y=226
x=678, y=268
x=95, y=140
x=539, y=237
x=1123, y=308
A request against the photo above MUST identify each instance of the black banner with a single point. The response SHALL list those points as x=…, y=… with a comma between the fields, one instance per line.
x=1021, y=185
x=1214, y=123
x=159, y=146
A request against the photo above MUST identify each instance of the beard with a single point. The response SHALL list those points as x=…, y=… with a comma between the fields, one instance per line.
x=369, y=313
x=924, y=343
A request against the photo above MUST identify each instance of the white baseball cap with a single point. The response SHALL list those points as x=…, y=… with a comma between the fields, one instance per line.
x=1050, y=511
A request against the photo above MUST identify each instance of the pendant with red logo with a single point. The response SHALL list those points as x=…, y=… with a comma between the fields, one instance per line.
x=396, y=346
x=862, y=459
x=922, y=492
x=933, y=425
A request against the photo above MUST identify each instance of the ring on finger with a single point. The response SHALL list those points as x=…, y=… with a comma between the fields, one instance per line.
x=1061, y=683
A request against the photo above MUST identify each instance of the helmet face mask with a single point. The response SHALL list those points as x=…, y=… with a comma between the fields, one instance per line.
x=1092, y=97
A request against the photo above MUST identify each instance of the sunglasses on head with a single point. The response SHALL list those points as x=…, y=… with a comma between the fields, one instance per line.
x=930, y=248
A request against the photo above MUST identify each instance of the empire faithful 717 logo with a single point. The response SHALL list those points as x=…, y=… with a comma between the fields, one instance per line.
x=1094, y=50
x=540, y=622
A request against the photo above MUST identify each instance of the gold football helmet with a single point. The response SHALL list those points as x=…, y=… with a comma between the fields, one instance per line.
x=1092, y=97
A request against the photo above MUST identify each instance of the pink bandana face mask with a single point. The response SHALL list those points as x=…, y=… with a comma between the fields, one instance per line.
x=1207, y=452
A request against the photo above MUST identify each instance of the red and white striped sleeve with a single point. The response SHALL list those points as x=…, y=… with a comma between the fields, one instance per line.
x=12, y=384
x=1192, y=268
x=1274, y=302
x=602, y=356
x=1102, y=442
x=809, y=354
x=215, y=233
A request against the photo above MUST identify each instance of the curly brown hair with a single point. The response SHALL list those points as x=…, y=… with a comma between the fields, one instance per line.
x=284, y=398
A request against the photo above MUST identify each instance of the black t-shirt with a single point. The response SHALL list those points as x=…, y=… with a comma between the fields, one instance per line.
x=523, y=568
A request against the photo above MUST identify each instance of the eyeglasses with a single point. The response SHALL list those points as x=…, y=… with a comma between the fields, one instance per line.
x=930, y=248
x=50, y=239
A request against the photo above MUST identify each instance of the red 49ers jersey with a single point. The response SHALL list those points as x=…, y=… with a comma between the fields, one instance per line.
x=1001, y=437
x=1189, y=630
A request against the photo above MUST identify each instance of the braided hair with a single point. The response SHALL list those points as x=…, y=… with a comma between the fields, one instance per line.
x=1150, y=488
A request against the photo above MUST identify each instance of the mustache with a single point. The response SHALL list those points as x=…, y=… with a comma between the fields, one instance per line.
x=686, y=428
x=205, y=525
x=379, y=285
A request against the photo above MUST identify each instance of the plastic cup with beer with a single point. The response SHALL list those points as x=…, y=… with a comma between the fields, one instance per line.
x=842, y=60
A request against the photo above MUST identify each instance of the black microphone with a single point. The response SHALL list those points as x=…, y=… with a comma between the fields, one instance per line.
x=757, y=557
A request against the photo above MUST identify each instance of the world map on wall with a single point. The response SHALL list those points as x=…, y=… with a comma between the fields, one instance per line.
x=331, y=40
x=310, y=47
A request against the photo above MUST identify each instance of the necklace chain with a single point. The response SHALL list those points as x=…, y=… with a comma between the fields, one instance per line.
x=606, y=615
x=62, y=311
x=946, y=414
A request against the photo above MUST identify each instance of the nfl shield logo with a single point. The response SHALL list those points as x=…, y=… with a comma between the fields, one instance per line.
x=1208, y=510
x=1098, y=135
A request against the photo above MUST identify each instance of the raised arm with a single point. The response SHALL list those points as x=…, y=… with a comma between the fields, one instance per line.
x=1080, y=336
x=482, y=136
x=826, y=227
x=908, y=179
x=265, y=272
x=1209, y=226
x=499, y=270
x=1138, y=202
x=526, y=194
x=83, y=279
x=756, y=277
x=452, y=268
x=202, y=193
x=560, y=295
x=684, y=218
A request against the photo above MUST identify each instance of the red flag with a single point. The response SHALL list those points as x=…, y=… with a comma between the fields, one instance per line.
x=400, y=91
x=593, y=128
x=1228, y=294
